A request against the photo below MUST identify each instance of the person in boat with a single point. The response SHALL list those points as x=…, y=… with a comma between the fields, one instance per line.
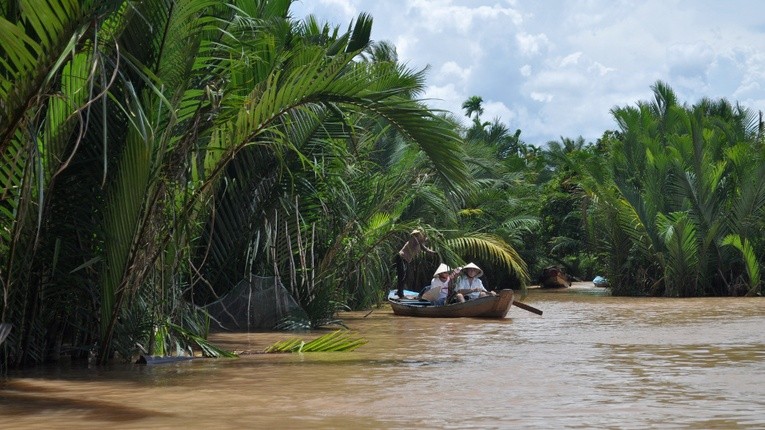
x=469, y=284
x=416, y=244
x=440, y=286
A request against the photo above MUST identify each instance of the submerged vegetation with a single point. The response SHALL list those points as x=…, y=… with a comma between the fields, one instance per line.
x=155, y=153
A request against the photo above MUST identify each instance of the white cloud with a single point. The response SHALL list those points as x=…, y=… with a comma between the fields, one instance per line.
x=531, y=44
x=339, y=9
x=437, y=15
x=541, y=97
x=571, y=59
x=495, y=109
x=452, y=69
x=600, y=69
x=445, y=97
x=345, y=6
x=556, y=68
x=405, y=45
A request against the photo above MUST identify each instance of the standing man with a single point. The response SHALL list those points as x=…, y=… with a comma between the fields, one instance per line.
x=411, y=248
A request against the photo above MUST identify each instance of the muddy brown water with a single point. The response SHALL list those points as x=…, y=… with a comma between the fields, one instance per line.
x=591, y=361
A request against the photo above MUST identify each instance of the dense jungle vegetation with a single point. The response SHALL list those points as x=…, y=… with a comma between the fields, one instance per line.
x=154, y=153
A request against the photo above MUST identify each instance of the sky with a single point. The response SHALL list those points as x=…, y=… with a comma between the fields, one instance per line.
x=555, y=68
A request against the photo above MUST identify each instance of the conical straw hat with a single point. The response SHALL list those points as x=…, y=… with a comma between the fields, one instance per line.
x=443, y=268
x=473, y=266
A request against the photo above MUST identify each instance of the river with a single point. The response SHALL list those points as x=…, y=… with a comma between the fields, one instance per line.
x=591, y=361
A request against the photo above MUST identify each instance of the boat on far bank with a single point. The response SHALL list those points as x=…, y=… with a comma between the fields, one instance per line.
x=554, y=277
x=482, y=307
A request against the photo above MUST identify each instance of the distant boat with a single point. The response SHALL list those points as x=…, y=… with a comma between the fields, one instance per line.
x=482, y=307
x=554, y=277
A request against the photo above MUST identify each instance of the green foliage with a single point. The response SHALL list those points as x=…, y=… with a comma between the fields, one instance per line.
x=154, y=153
x=676, y=184
x=336, y=341
x=565, y=237
x=680, y=237
x=158, y=149
x=208, y=349
x=491, y=249
x=750, y=261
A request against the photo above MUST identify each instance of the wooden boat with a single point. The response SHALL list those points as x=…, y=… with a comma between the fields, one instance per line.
x=482, y=307
x=553, y=277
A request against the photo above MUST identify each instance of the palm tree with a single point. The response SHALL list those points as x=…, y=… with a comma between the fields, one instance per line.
x=673, y=176
x=473, y=106
x=215, y=115
x=568, y=238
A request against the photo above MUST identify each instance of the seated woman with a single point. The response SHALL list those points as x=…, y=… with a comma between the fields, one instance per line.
x=439, y=287
x=469, y=285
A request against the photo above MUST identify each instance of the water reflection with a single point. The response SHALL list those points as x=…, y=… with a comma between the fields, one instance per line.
x=592, y=361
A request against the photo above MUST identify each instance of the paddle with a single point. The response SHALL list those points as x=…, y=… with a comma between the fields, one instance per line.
x=527, y=307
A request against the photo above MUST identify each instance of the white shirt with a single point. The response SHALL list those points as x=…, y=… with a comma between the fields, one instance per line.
x=443, y=285
x=466, y=284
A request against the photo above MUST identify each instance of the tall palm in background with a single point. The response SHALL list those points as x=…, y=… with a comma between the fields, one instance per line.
x=568, y=236
x=681, y=185
x=493, y=215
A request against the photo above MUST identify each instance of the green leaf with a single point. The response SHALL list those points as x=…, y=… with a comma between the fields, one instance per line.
x=336, y=341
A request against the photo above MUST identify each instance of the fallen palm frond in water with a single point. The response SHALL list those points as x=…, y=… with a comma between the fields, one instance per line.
x=339, y=340
x=208, y=349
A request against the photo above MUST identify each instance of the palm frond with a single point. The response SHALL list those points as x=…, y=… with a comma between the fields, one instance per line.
x=750, y=262
x=336, y=341
x=488, y=247
x=208, y=349
x=681, y=241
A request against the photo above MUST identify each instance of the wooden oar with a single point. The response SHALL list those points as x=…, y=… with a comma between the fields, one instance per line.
x=527, y=307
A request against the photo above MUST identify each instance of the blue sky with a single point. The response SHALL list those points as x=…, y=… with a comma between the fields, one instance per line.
x=556, y=68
